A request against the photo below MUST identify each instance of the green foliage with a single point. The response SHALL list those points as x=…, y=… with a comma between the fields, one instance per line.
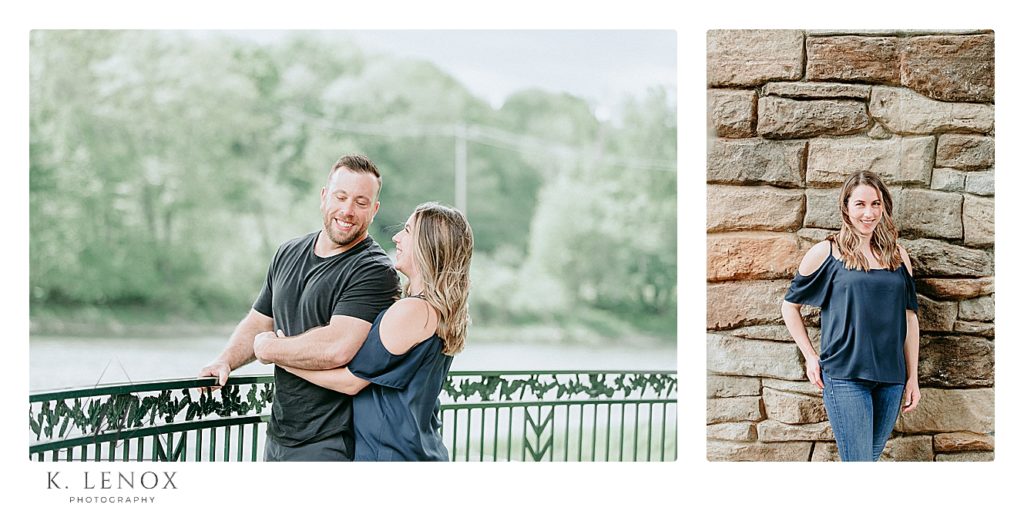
x=166, y=167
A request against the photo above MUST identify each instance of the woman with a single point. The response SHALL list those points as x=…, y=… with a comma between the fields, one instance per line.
x=862, y=280
x=409, y=349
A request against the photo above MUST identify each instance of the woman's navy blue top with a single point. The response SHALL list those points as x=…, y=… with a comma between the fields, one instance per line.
x=397, y=416
x=863, y=318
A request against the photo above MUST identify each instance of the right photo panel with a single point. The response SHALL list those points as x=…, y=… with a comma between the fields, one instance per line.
x=850, y=245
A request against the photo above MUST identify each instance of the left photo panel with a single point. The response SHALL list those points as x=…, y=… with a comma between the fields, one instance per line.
x=318, y=245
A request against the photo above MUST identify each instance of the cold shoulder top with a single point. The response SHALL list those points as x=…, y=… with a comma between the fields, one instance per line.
x=863, y=318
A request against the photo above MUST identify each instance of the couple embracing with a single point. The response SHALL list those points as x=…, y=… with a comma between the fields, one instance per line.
x=358, y=374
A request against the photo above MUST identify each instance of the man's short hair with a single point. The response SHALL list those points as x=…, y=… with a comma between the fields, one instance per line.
x=360, y=165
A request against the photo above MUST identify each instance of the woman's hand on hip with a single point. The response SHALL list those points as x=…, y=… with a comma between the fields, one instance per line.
x=911, y=395
x=814, y=372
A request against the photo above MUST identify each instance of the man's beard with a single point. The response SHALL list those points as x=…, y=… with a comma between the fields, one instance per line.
x=339, y=238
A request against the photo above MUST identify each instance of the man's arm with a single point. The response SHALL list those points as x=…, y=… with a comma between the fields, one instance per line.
x=239, y=350
x=319, y=348
x=339, y=380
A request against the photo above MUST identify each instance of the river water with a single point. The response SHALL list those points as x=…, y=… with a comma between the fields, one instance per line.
x=60, y=362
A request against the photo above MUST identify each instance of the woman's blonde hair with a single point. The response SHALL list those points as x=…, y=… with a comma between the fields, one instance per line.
x=444, y=249
x=883, y=240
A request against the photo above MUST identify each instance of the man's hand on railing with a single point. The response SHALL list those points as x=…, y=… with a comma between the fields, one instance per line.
x=217, y=369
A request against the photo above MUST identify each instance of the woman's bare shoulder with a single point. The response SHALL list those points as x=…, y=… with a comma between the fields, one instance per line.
x=407, y=323
x=815, y=257
x=906, y=258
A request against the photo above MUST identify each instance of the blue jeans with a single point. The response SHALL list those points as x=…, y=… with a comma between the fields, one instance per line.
x=862, y=414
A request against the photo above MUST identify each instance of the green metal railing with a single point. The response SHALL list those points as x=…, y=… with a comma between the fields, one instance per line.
x=486, y=416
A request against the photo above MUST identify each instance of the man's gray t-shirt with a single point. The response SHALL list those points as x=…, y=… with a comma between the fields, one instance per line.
x=303, y=291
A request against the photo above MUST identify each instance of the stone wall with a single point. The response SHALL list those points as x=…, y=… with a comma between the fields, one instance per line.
x=791, y=113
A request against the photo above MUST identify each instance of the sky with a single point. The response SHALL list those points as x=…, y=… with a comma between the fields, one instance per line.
x=600, y=66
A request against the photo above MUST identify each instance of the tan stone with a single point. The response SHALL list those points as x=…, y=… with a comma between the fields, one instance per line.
x=753, y=57
x=733, y=386
x=793, y=408
x=967, y=456
x=789, y=118
x=981, y=183
x=956, y=361
x=777, y=451
x=800, y=387
x=982, y=308
x=734, y=431
x=906, y=112
x=853, y=58
x=898, y=160
x=936, y=316
x=908, y=448
x=950, y=68
x=734, y=409
x=736, y=304
x=770, y=333
x=964, y=442
x=773, y=431
x=813, y=236
x=958, y=289
x=878, y=132
x=751, y=255
x=975, y=328
x=742, y=357
x=945, y=410
x=823, y=209
x=814, y=90
x=758, y=161
x=731, y=112
x=825, y=451
x=965, y=152
x=934, y=258
x=930, y=213
x=739, y=208
x=948, y=180
x=979, y=221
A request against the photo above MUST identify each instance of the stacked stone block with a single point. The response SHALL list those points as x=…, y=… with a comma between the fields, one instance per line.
x=791, y=113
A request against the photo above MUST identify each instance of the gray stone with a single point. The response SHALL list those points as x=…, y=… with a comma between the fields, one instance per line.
x=743, y=357
x=746, y=162
x=957, y=289
x=979, y=221
x=981, y=183
x=908, y=448
x=934, y=258
x=982, y=308
x=936, y=316
x=738, y=208
x=898, y=160
x=964, y=442
x=770, y=333
x=773, y=431
x=967, y=456
x=734, y=431
x=948, y=180
x=965, y=152
x=946, y=410
x=878, y=132
x=930, y=214
x=734, y=409
x=793, y=408
x=731, y=112
x=815, y=235
x=800, y=387
x=956, y=361
x=733, y=386
x=752, y=255
x=906, y=112
x=975, y=328
x=789, y=118
x=736, y=304
x=950, y=67
x=825, y=451
x=823, y=209
x=853, y=58
x=815, y=90
x=753, y=57
x=776, y=451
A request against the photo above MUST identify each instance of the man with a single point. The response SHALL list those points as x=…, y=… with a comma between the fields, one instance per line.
x=323, y=291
